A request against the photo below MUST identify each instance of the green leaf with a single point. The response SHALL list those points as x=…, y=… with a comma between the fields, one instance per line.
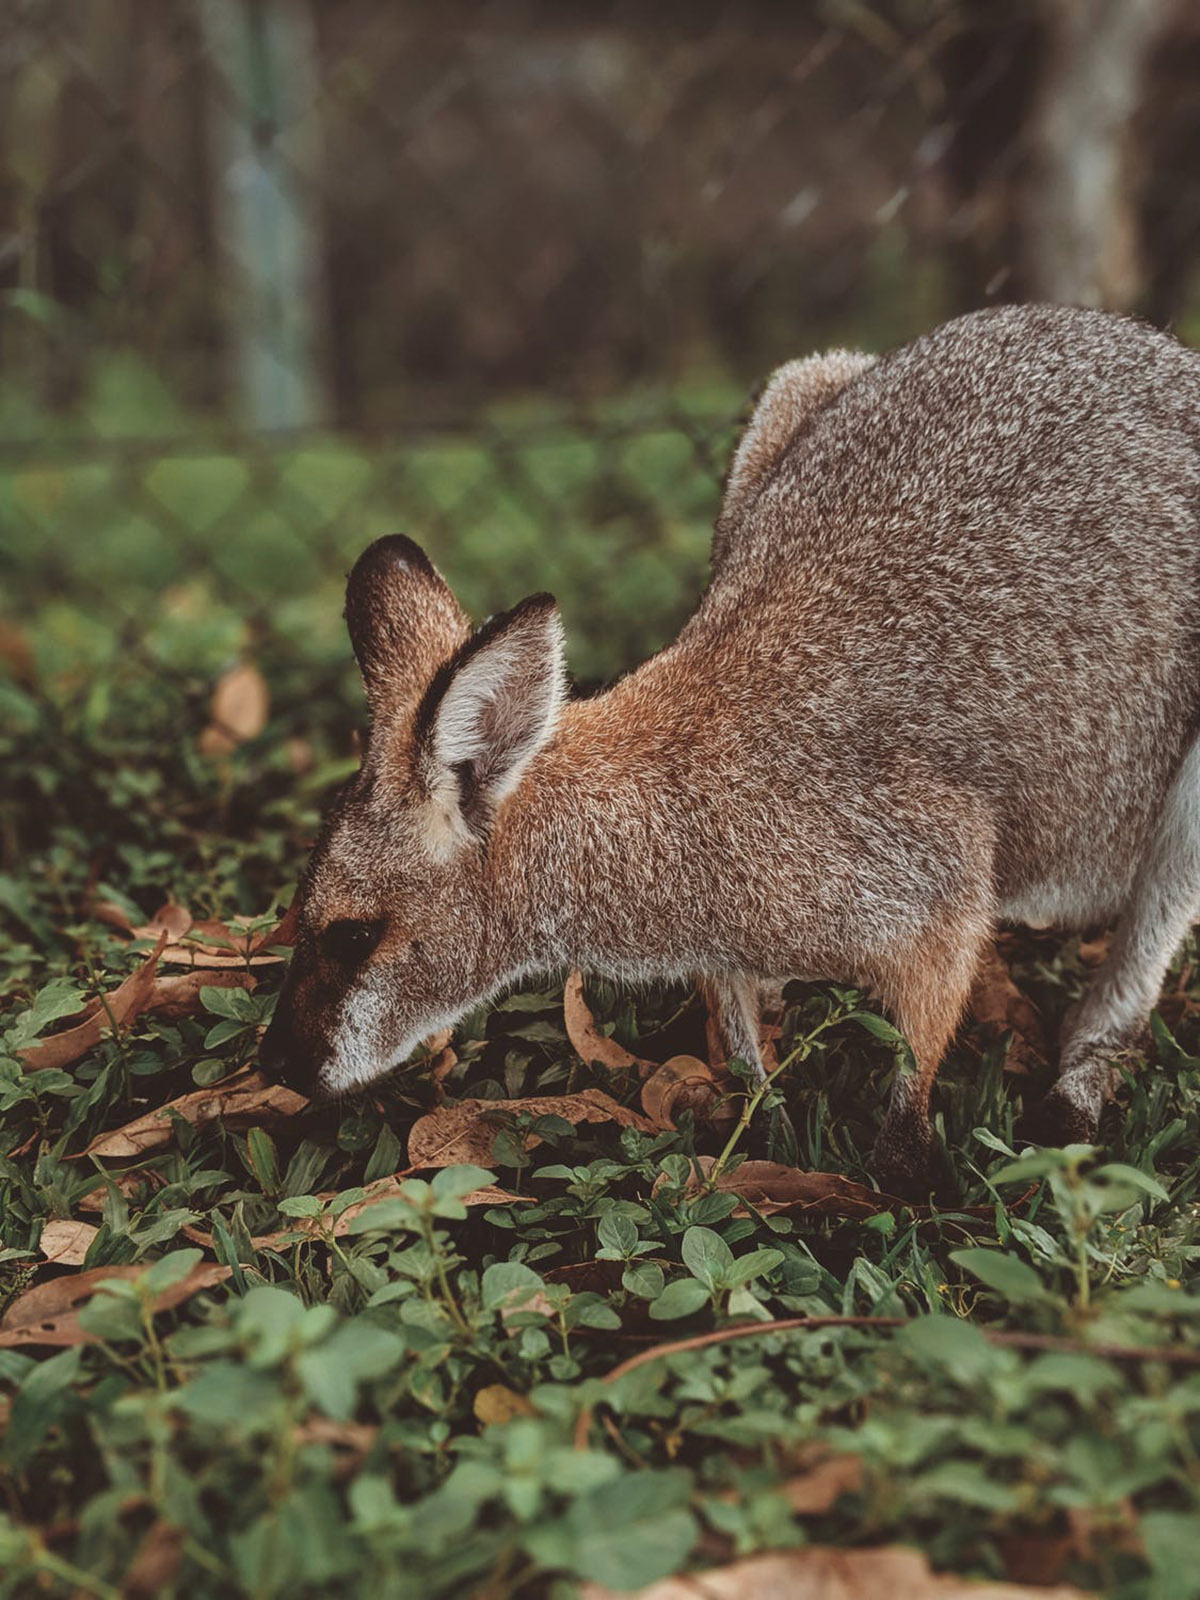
x=680, y=1298
x=617, y=1235
x=707, y=1257
x=61, y=997
x=755, y=1265
x=169, y=1270
x=509, y=1284
x=958, y=1348
x=264, y=1160
x=238, y=1005
x=626, y=1533
x=356, y=1352
x=1171, y=1540
x=1122, y=1176
x=644, y=1279
x=1007, y=1274
x=41, y=1398
x=879, y=1027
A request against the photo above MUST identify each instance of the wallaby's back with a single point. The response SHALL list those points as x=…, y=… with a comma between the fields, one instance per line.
x=983, y=557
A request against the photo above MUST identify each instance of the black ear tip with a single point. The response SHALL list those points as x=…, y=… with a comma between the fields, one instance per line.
x=396, y=551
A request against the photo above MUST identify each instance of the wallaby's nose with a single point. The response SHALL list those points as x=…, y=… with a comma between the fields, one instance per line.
x=284, y=1059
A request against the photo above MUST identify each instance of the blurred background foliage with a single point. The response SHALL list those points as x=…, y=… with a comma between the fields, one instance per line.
x=278, y=276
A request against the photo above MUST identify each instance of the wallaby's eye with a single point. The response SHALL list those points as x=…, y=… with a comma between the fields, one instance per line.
x=350, y=942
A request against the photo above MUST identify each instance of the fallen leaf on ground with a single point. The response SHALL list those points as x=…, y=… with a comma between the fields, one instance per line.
x=66, y=1243
x=49, y=1312
x=1093, y=951
x=129, y=1183
x=587, y=1041
x=815, y=1572
x=240, y=705
x=119, y=1005
x=172, y=919
x=381, y=1189
x=822, y=1483
x=443, y=1059
x=155, y=1564
x=357, y=1437
x=205, y=943
x=685, y=1083
x=496, y=1403
x=245, y=1101
x=769, y=1187
x=179, y=996
x=386, y=1187
x=998, y=1003
x=464, y=1133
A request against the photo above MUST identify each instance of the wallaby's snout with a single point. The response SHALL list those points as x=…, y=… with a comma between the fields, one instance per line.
x=285, y=1058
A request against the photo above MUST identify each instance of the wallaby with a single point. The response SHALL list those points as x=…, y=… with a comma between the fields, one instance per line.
x=946, y=674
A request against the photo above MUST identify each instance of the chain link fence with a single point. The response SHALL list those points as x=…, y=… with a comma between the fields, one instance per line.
x=277, y=276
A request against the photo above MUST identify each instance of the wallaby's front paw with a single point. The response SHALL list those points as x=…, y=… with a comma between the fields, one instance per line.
x=1064, y=1116
x=901, y=1161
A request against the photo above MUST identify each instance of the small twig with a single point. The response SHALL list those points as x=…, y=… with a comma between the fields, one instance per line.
x=739, y=1330
x=1180, y=1356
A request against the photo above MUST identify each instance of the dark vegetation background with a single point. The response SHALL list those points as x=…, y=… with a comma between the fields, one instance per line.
x=276, y=277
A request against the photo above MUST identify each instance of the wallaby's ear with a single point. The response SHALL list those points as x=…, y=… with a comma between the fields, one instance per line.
x=487, y=714
x=404, y=623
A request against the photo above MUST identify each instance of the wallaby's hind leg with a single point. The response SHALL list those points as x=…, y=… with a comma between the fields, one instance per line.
x=737, y=1014
x=1113, y=1014
x=927, y=994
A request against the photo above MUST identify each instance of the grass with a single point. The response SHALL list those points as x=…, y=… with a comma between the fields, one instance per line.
x=414, y=1403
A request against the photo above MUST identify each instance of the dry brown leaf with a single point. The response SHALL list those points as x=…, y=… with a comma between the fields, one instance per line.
x=443, y=1059
x=1093, y=951
x=112, y=915
x=240, y=705
x=172, y=919
x=16, y=651
x=490, y=1195
x=48, y=1313
x=153, y=1568
x=822, y=1483
x=354, y=1437
x=207, y=943
x=768, y=1186
x=180, y=996
x=496, y=1403
x=685, y=1083
x=66, y=1243
x=247, y=1100
x=120, y=1005
x=464, y=1133
x=816, y=1572
x=199, y=959
x=588, y=1042
x=998, y=1003
x=129, y=1183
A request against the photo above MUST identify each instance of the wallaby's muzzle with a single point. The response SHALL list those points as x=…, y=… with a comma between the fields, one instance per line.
x=285, y=1058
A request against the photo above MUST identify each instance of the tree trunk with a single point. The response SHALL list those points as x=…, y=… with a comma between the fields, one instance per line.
x=265, y=144
x=1081, y=223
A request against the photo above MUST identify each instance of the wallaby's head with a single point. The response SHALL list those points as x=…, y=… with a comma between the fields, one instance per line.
x=397, y=936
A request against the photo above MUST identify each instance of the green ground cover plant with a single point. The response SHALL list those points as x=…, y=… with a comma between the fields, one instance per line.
x=580, y=1337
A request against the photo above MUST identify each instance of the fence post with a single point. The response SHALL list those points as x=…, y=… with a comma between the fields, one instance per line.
x=264, y=140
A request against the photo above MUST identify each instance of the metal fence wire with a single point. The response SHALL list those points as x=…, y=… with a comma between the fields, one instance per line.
x=279, y=275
